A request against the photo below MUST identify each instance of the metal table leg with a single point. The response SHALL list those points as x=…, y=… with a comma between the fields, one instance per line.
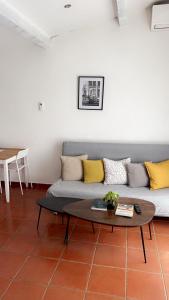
x=142, y=239
x=149, y=225
x=40, y=208
x=67, y=230
x=93, y=227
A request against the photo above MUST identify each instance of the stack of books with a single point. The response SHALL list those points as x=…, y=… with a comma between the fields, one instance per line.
x=125, y=210
x=99, y=204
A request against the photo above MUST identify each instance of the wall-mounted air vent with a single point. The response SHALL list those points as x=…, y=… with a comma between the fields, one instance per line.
x=160, y=17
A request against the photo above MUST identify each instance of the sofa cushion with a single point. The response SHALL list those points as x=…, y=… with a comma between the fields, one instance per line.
x=137, y=175
x=78, y=189
x=93, y=171
x=72, y=167
x=115, y=171
x=159, y=174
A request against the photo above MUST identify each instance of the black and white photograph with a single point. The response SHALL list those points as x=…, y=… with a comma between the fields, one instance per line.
x=90, y=92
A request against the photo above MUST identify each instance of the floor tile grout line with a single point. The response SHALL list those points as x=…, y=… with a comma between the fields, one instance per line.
x=142, y=271
x=13, y=278
x=109, y=295
x=5, y=291
x=162, y=275
x=162, y=234
x=92, y=263
x=50, y=280
x=99, y=243
x=16, y=233
x=76, y=261
x=82, y=241
x=111, y=244
x=58, y=262
x=31, y=251
x=112, y=267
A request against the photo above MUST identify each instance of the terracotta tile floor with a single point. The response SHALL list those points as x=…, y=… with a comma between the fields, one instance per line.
x=100, y=266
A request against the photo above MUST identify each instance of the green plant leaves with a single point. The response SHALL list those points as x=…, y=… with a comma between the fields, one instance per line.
x=111, y=197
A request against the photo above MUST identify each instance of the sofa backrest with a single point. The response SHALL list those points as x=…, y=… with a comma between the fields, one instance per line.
x=116, y=151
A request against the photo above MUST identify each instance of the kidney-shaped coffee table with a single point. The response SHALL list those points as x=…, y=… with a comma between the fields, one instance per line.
x=82, y=210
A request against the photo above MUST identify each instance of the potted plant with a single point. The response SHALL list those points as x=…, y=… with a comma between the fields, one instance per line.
x=111, y=198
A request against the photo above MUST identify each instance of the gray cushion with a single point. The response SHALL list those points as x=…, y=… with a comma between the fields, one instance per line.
x=78, y=189
x=137, y=175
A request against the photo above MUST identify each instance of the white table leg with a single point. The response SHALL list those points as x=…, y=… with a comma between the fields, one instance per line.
x=26, y=172
x=6, y=179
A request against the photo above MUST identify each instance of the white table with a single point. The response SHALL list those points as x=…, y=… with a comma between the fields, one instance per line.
x=8, y=155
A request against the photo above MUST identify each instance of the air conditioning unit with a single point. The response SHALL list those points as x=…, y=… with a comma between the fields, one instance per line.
x=160, y=17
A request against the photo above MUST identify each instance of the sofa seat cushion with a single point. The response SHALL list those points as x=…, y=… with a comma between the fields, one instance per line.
x=78, y=189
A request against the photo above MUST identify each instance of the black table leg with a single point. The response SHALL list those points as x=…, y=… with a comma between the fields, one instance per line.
x=149, y=225
x=142, y=239
x=93, y=227
x=112, y=229
x=40, y=208
x=67, y=230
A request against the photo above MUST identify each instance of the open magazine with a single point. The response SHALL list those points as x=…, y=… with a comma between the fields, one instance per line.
x=125, y=210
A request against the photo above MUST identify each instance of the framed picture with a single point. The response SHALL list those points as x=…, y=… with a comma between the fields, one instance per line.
x=90, y=92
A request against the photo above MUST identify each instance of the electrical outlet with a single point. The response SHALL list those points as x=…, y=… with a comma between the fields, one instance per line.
x=41, y=106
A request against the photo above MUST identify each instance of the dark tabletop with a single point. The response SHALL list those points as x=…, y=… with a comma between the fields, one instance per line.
x=56, y=204
x=83, y=210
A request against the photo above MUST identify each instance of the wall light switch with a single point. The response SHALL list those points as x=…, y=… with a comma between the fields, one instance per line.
x=41, y=106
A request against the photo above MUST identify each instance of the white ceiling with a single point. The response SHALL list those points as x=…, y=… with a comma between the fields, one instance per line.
x=54, y=19
x=41, y=20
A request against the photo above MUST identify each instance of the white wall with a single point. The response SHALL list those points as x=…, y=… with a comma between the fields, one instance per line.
x=135, y=63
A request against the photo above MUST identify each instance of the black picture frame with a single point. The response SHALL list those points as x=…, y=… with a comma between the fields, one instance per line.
x=90, y=92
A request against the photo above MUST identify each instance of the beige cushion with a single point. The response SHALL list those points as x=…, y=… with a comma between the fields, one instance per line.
x=72, y=167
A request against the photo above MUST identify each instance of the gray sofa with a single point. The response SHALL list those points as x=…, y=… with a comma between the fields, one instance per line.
x=116, y=151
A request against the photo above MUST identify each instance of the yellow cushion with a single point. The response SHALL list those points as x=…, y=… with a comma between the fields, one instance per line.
x=93, y=171
x=159, y=174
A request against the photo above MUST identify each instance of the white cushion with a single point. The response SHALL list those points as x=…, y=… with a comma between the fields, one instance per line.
x=115, y=171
